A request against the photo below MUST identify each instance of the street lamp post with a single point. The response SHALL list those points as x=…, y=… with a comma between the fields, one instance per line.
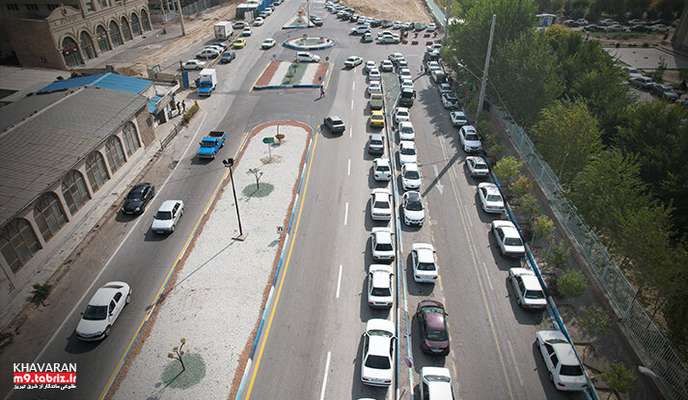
x=229, y=163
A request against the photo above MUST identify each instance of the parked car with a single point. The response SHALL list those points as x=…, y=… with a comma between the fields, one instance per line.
x=377, y=362
x=193, y=64
x=406, y=131
x=641, y=82
x=360, y=29
x=102, y=311
x=246, y=32
x=477, y=167
x=382, y=244
x=382, y=170
x=527, y=288
x=386, y=66
x=367, y=37
x=211, y=144
x=227, y=57
x=258, y=21
x=381, y=204
x=470, y=142
x=401, y=114
x=450, y=101
x=167, y=217
x=424, y=263
x=380, y=286
x=374, y=75
x=376, y=101
x=458, y=118
x=317, y=21
x=508, y=239
x=434, y=333
x=208, y=54
x=376, y=144
x=412, y=208
x=436, y=384
x=370, y=65
x=334, y=124
x=491, y=200
x=138, y=198
x=377, y=119
x=559, y=356
x=410, y=176
x=407, y=152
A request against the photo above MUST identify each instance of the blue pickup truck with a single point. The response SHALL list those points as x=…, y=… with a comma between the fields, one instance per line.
x=211, y=144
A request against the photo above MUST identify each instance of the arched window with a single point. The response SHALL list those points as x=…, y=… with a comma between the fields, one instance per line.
x=74, y=190
x=126, y=32
x=131, y=139
x=49, y=215
x=135, y=24
x=114, y=153
x=102, y=38
x=18, y=243
x=70, y=52
x=96, y=170
x=145, y=20
x=115, y=35
x=87, y=45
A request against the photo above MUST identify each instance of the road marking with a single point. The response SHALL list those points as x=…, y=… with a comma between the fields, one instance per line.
x=438, y=184
x=513, y=358
x=327, y=371
x=351, y=131
x=278, y=294
x=339, y=280
x=487, y=276
x=346, y=213
x=119, y=247
x=353, y=86
x=348, y=168
x=352, y=104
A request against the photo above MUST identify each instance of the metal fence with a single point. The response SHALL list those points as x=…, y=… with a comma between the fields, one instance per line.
x=647, y=339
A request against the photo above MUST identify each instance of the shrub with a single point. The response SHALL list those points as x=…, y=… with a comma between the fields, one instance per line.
x=40, y=293
x=571, y=283
x=190, y=113
x=619, y=377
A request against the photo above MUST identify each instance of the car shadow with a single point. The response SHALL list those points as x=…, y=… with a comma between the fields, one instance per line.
x=195, y=160
x=151, y=236
x=420, y=358
x=326, y=133
x=124, y=218
x=414, y=288
x=76, y=346
x=373, y=184
x=358, y=389
x=523, y=316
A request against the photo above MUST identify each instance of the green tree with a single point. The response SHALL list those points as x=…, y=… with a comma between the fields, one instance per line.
x=507, y=169
x=525, y=68
x=619, y=378
x=520, y=186
x=543, y=227
x=40, y=293
x=571, y=283
x=567, y=136
x=594, y=321
x=557, y=256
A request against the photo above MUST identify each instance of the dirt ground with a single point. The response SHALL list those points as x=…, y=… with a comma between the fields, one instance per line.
x=395, y=10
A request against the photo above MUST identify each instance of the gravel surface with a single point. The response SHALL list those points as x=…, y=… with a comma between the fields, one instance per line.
x=402, y=10
x=219, y=290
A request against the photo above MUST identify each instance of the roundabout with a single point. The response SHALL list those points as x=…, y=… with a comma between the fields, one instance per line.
x=309, y=43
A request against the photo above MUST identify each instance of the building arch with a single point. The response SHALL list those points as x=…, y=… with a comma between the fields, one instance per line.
x=18, y=243
x=114, y=153
x=49, y=215
x=126, y=30
x=145, y=19
x=131, y=138
x=71, y=52
x=87, y=47
x=115, y=34
x=74, y=190
x=135, y=24
x=102, y=38
x=96, y=171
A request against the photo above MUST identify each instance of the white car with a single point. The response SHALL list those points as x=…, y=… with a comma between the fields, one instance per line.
x=470, y=142
x=382, y=244
x=268, y=44
x=450, y=101
x=218, y=47
x=412, y=208
x=424, y=260
x=369, y=65
x=374, y=87
x=410, y=176
x=246, y=32
x=207, y=54
x=269, y=10
x=444, y=87
x=386, y=66
x=508, y=239
x=401, y=114
x=353, y=61
x=406, y=131
x=407, y=83
x=306, y=57
x=102, y=311
x=561, y=361
x=394, y=57
x=477, y=167
x=526, y=286
x=436, y=384
x=380, y=285
x=194, y=64
x=388, y=39
x=405, y=73
x=407, y=152
x=381, y=204
x=377, y=365
x=431, y=27
x=382, y=170
x=360, y=29
x=458, y=118
x=374, y=75
x=168, y=216
x=491, y=200
x=258, y=21
x=434, y=66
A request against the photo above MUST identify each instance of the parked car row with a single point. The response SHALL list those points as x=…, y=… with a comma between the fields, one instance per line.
x=610, y=25
x=640, y=81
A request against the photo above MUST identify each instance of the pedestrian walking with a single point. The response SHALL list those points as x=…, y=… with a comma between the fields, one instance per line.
x=322, y=91
x=183, y=106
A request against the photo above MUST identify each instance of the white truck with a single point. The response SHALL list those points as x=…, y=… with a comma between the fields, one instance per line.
x=207, y=80
x=223, y=30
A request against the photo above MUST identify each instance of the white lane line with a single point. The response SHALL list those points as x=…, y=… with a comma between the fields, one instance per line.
x=438, y=184
x=352, y=104
x=487, y=276
x=346, y=213
x=339, y=280
x=353, y=86
x=348, y=168
x=351, y=131
x=513, y=358
x=119, y=247
x=327, y=371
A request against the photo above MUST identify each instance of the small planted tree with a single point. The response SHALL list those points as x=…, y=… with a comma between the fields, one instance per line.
x=595, y=323
x=543, y=227
x=40, y=293
x=257, y=173
x=507, y=170
x=557, y=256
x=178, y=353
x=619, y=378
x=520, y=187
x=571, y=283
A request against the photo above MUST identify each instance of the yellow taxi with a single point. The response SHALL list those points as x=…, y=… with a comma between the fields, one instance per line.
x=377, y=119
x=239, y=43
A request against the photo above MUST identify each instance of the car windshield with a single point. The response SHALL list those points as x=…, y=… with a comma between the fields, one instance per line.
x=480, y=165
x=208, y=143
x=381, y=204
x=407, y=129
x=426, y=266
x=411, y=175
x=376, y=141
x=95, y=313
x=384, y=247
x=162, y=215
x=437, y=378
x=534, y=294
x=472, y=136
x=383, y=168
x=494, y=197
x=570, y=370
x=437, y=334
x=414, y=205
x=135, y=194
x=408, y=151
x=377, y=362
x=513, y=242
x=381, y=292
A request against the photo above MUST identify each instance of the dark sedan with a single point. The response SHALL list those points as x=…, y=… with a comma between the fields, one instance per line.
x=227, y=57
x=335, y=124
x=433, y=327
x=138, y=198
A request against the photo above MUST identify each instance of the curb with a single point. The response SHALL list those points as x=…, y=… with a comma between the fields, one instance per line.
x=294, y=86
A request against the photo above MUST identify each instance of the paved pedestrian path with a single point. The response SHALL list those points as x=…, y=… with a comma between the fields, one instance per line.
x=215, y=299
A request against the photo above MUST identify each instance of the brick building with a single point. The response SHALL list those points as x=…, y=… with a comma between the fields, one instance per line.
x=65, y=33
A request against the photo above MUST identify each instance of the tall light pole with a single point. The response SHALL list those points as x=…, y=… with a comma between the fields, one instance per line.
x=229, y=163
x=481, y=98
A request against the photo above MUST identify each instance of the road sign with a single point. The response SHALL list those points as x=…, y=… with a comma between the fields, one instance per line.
x=269, y=140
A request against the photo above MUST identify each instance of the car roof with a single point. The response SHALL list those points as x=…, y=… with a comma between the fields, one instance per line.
x=383, y=235
x=168, y=205
x=425, y=252
x=407, y=143
x=380, y=324
x=381, y=279
x=377, y=112
x=379, y=345
x=410, y=167
x=413, y=195
x=377, y=136
x=564, y=351
x=102, y=296
x=530, y=281
x=382, y=161
x=379, y=193
x=490, y=187
x=406, y=124
x=476, y=159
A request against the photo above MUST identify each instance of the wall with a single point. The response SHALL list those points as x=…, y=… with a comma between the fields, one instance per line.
x=33, y=43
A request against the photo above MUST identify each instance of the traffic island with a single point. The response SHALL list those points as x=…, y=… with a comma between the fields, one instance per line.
x=288, y=74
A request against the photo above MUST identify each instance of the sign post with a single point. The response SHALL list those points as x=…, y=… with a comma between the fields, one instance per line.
x=269, y=140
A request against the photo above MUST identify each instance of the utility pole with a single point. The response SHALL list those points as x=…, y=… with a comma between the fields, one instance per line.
x=483, y=84
x=181, y=16
x=229, y=163
x=308, y=13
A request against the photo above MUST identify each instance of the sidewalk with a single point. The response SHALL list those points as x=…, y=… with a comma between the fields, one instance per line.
x=215, y=299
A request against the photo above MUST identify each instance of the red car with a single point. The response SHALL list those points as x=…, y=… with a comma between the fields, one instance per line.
x=433, y=327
